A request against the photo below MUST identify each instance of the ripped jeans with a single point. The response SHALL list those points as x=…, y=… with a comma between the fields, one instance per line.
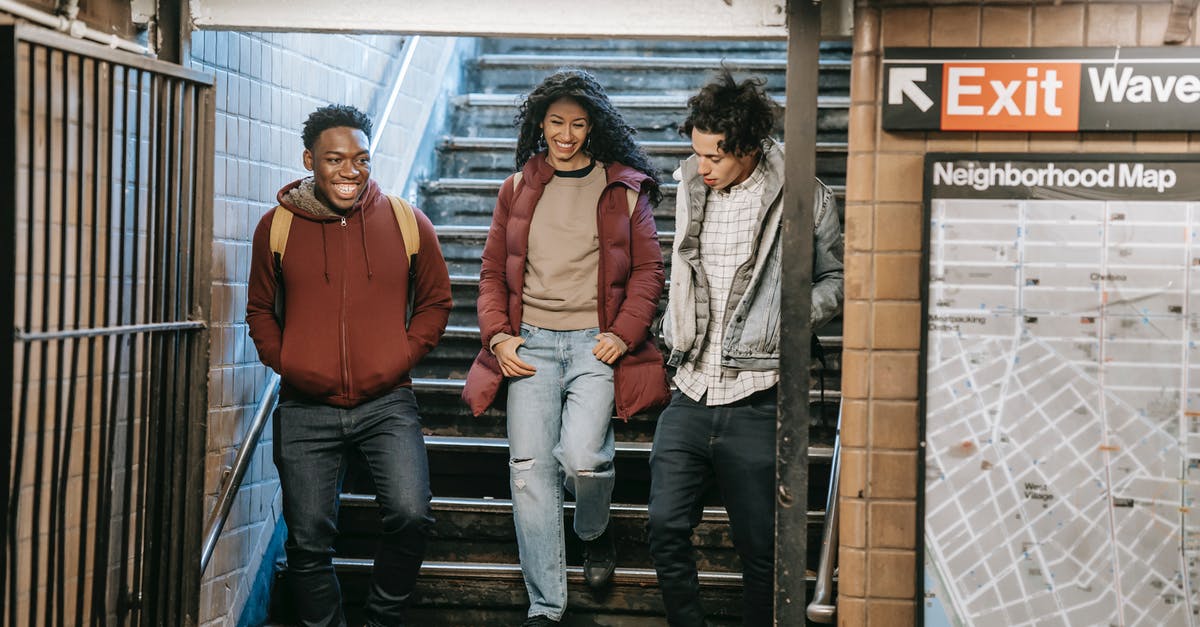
x=559, y=435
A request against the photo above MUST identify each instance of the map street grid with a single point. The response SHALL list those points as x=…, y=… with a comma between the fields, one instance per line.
x=1062, y=400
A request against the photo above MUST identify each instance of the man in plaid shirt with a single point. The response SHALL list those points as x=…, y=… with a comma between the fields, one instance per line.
x=722, y=328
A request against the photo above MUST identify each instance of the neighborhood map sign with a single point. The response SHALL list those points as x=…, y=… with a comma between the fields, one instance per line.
x=1062, y=390
x=1041, y=89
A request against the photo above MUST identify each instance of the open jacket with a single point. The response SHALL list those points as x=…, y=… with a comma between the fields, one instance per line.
x=752, y=312
x=343, y=340
x=630, y=284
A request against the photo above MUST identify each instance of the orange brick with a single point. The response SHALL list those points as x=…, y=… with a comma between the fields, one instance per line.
x=854, y=430
x=860, y=177
x=858, y=226
x=1107, y=142
x=1112, y=25
x=854, y=374
x=866, y=30
x=852, y=523
x=950, y=142
x=1160, y=142
x=955, y=26
x=894, y=375
x=902, y=141
x=863, y=126
x=893, y=525
x=851, y=611
x=864, y=77
x=891, y=574
x=899, y=227
x=852, y=483
x=891, y=613
x=1153, y=23
x=892, y=475
x=894, y=425
x=858, y=275
x=1055, y=142
x=897, y=276
x=896, y=325
x=856, y=325
x=1006, y=26
x=1002, y=142
x=1060, y=25
x=852, y=572
x=899, y=177
x=905, y=27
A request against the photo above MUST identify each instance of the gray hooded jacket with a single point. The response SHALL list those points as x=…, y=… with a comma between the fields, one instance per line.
x=751, y=339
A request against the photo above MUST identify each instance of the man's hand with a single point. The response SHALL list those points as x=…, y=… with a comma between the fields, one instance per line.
x=510, y=364
x=607, y=349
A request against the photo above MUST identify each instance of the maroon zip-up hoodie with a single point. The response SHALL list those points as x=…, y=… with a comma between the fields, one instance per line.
x=343, y=339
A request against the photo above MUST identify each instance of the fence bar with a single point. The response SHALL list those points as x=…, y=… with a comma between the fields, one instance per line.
x=8, y=290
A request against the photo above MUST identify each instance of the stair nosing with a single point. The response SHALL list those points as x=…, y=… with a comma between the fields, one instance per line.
x=509, y=144
x=487, y=570
x=472, y=332
x=632, y=101
x=586, y=61
x=493, y=185
x=450, y=442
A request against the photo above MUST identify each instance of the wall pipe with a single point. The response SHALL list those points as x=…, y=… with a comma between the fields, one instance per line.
x=74, y=27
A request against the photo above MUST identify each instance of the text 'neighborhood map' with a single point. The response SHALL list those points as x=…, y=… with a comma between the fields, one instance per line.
x=1062, y=394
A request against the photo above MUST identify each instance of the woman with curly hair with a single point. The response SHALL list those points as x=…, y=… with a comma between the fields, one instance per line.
x=572, y=273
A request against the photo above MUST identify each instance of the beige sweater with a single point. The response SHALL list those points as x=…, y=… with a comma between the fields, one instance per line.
x=562, y=265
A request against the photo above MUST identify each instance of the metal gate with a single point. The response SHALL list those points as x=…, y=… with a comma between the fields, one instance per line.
x=105, y=248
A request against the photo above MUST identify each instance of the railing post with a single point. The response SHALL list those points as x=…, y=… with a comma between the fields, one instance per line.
x=800, y=126
x=8, y=271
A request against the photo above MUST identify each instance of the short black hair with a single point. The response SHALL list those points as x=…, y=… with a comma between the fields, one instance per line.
x=333, y=116
x=743, y=112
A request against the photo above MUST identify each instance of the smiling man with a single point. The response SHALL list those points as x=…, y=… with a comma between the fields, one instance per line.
x=345, y=353
x=722, y=328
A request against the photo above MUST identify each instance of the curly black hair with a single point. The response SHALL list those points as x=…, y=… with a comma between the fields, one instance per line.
x=333, y=116
x=610, y=139
x=743, y=112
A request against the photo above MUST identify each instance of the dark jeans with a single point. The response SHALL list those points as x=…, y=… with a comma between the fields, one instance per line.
x=311, y=452
x=694, y=446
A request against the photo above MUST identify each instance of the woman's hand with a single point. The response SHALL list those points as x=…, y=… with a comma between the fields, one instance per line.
x=510, y=364
x=607, y=348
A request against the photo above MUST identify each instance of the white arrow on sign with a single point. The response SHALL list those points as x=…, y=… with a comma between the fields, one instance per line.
x=902, y=81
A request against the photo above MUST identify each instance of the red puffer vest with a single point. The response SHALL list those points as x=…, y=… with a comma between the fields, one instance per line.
x=630, y=283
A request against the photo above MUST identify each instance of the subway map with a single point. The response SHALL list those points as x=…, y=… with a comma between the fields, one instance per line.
x=1062, y=392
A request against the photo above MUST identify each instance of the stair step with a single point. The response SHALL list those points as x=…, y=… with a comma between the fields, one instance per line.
x=644, y=62
x=646, y=47
x=481, y=530
x=630, y=101
x=509, y=145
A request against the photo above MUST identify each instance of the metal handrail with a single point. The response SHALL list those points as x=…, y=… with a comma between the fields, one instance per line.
x=233, y=481
x=823, y=608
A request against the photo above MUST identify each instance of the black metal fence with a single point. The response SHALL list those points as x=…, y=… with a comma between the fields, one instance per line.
x=105, y=247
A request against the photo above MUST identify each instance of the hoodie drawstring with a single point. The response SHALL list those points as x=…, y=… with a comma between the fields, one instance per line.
x=325, y=250
x=362, y=224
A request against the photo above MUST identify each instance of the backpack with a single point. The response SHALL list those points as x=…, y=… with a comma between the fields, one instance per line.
x=281, y=226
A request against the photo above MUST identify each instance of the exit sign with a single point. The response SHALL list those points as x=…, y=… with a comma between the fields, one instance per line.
x=1042, y=89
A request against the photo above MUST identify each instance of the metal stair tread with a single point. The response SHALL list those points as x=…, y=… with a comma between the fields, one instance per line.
x=504, y=506
x=456, y=385
x=466, y=443
x=472, y=332
x=493, y=571
x=589, y=61
x=509, y=144
x=480, y=232
x=450, y=184
x=631, y=101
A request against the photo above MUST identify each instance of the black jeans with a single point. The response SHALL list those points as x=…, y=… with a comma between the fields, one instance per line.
x=310, y=452
x=694, y=446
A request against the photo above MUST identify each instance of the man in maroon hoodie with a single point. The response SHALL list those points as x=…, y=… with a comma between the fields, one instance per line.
x=338, y=338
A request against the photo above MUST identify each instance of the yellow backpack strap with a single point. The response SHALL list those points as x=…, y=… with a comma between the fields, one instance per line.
x=407, y=219
x=281, y=226
x=631, y=197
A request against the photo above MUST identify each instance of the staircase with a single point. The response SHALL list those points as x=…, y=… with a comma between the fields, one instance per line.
x=471, y=574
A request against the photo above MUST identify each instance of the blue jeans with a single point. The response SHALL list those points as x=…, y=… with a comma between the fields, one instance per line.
x=559, y=435
x=310, y=451
x=694, y=446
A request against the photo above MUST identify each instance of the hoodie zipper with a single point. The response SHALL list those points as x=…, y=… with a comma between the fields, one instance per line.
x=344, y=312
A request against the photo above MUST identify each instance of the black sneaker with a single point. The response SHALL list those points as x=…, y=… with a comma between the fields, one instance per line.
x=599, y=560
x=538, y=621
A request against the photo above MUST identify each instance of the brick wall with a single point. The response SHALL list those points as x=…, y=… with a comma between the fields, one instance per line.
x=881, y=426
x=267, y=83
